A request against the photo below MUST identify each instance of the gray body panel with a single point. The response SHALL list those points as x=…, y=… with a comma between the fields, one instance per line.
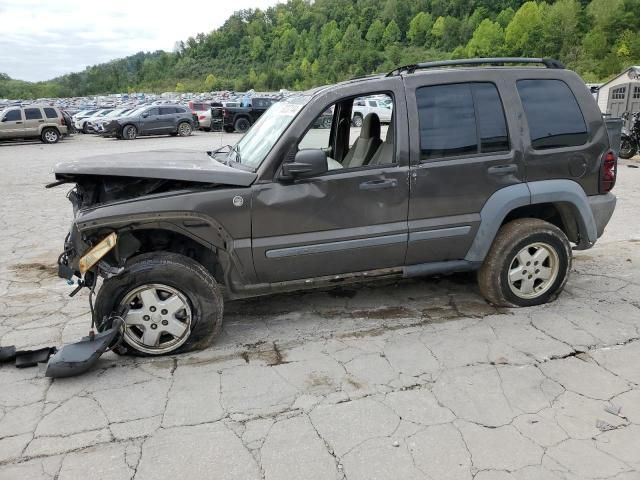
x=166, y=164
x=436, y=216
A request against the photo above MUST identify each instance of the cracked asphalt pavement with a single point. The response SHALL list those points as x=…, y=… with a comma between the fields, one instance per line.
x=392, y=380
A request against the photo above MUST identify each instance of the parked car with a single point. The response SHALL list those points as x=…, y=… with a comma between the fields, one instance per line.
x=239, y=119
x=153, y=120
x=79, y=118
x=501, y=170
x=90, y=123
x=32, y=121
x=364, y=106
x=95, y=125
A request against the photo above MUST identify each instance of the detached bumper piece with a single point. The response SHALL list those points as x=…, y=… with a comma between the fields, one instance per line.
x=25, y=358
x=77, y=358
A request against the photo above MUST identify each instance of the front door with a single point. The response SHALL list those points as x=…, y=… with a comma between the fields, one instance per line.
x=461, y=155
x=350, y=219
x=152, y=122
x=12, y=124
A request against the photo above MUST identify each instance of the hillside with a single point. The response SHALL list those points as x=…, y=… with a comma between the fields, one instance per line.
x=301, y=44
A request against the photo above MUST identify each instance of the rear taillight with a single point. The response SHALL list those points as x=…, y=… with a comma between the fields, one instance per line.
x=202, y=117
x=608, y=172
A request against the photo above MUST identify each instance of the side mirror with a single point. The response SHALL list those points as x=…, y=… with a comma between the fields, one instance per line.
x=307, y=163
x=145, y=114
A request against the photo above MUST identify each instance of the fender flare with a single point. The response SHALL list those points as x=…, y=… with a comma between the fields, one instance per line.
x=498, y=206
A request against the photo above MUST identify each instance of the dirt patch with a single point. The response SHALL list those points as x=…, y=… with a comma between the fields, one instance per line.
x=51, y=270
x=271, y=357
x=383, y=313
x=317, y=380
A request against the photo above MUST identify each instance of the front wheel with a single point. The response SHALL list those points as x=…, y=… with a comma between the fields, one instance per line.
x=628, y=148
x=528, y=264
x=172, y=304
x=129, y=132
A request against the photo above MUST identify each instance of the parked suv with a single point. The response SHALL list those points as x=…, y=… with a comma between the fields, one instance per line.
x=32, y=121
x=237, y=118
x=492, y=165
x=152, y=120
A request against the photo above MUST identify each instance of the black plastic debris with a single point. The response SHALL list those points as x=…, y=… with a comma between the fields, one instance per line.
x=77, y=358
x=7, y=354
x=31, y=358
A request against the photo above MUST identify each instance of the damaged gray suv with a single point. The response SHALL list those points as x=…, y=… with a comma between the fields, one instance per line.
x=499, y=166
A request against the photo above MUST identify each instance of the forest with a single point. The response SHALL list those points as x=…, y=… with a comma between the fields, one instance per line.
x=302, y=43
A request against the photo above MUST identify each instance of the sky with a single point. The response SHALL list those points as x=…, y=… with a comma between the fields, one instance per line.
x=42, y=40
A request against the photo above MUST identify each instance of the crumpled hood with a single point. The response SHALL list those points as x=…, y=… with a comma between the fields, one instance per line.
x=185, y=165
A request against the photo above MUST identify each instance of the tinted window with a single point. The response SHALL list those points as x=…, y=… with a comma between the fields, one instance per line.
x=12, y=116
x=492, y=127
x=181, y=110
x=553, y=114
x=447, y=121
x=32, y=114
x=152, y=111
x=50, y=113
x=167, y=110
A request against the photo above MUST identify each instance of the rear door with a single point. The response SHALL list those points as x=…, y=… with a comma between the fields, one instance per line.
x=167, y=122
x=460, y=155
x=33, y=118
x=12, y=124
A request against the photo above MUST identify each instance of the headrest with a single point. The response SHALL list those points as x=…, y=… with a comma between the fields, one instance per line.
x=370, y=126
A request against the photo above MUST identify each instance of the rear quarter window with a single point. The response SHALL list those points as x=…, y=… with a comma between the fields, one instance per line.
x=51, y=113
x=553, y=114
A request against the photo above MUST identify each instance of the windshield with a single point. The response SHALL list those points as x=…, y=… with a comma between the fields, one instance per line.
x=252, y=149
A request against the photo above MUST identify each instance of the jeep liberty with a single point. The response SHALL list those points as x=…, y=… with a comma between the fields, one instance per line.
x=499, y=166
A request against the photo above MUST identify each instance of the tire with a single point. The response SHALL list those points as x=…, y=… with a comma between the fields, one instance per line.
x=85, y=129
x=50, y=135
x=628, y=149
x=184, y=129
x=129, y=132
x=326, y=122
x=357, y=120
x=515, y=248
x=228, y=129
x=191, y=289
x=242, y=125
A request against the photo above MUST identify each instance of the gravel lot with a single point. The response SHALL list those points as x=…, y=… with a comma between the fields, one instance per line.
x=398, y=380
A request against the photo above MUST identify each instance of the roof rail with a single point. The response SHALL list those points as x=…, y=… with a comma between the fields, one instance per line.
x=496, y=61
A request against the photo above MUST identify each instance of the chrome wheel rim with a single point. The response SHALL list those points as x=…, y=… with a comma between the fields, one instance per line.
x=158, y=320
x=50, y=136
x=533, y=270
x=185, y=129
x=131, y=133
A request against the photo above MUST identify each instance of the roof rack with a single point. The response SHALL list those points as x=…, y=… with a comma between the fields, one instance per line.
x=497, y=61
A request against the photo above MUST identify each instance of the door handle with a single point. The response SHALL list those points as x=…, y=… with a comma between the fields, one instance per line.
x=379, y=184
x=17, y=123
x=503, y=169
x=40, y=121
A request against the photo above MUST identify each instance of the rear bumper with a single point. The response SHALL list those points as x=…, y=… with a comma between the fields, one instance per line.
x=602, y=207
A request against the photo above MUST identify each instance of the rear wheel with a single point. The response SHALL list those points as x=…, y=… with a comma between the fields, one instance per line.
x=528, y=264
x=172, y=304
x=184, y=129
x=628, y=148
x=50, y=135
x=129, y=132
x=357, y=120
x=242, y=125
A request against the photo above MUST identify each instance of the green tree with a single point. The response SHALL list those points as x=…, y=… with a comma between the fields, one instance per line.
x=392, y=33
x=523, y=36
x=420, y=29
x=487, y=40
x=375, y=33
x=211, y=82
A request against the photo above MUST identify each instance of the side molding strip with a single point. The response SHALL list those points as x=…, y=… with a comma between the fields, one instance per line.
x=336, y=246
x=439, y=233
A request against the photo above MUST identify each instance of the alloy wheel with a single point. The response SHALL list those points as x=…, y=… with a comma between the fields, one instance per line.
x=533, y=270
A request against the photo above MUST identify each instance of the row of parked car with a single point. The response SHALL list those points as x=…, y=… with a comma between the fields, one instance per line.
x=50, y=123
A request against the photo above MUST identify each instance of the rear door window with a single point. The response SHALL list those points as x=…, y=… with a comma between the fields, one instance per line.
x=461, y=119
x=553, y=114
x=167, y=110
x=32, y=114
x=50, y=113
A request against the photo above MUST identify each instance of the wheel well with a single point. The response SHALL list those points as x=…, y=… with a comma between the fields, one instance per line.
x=159, y=240
x=560, y=214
